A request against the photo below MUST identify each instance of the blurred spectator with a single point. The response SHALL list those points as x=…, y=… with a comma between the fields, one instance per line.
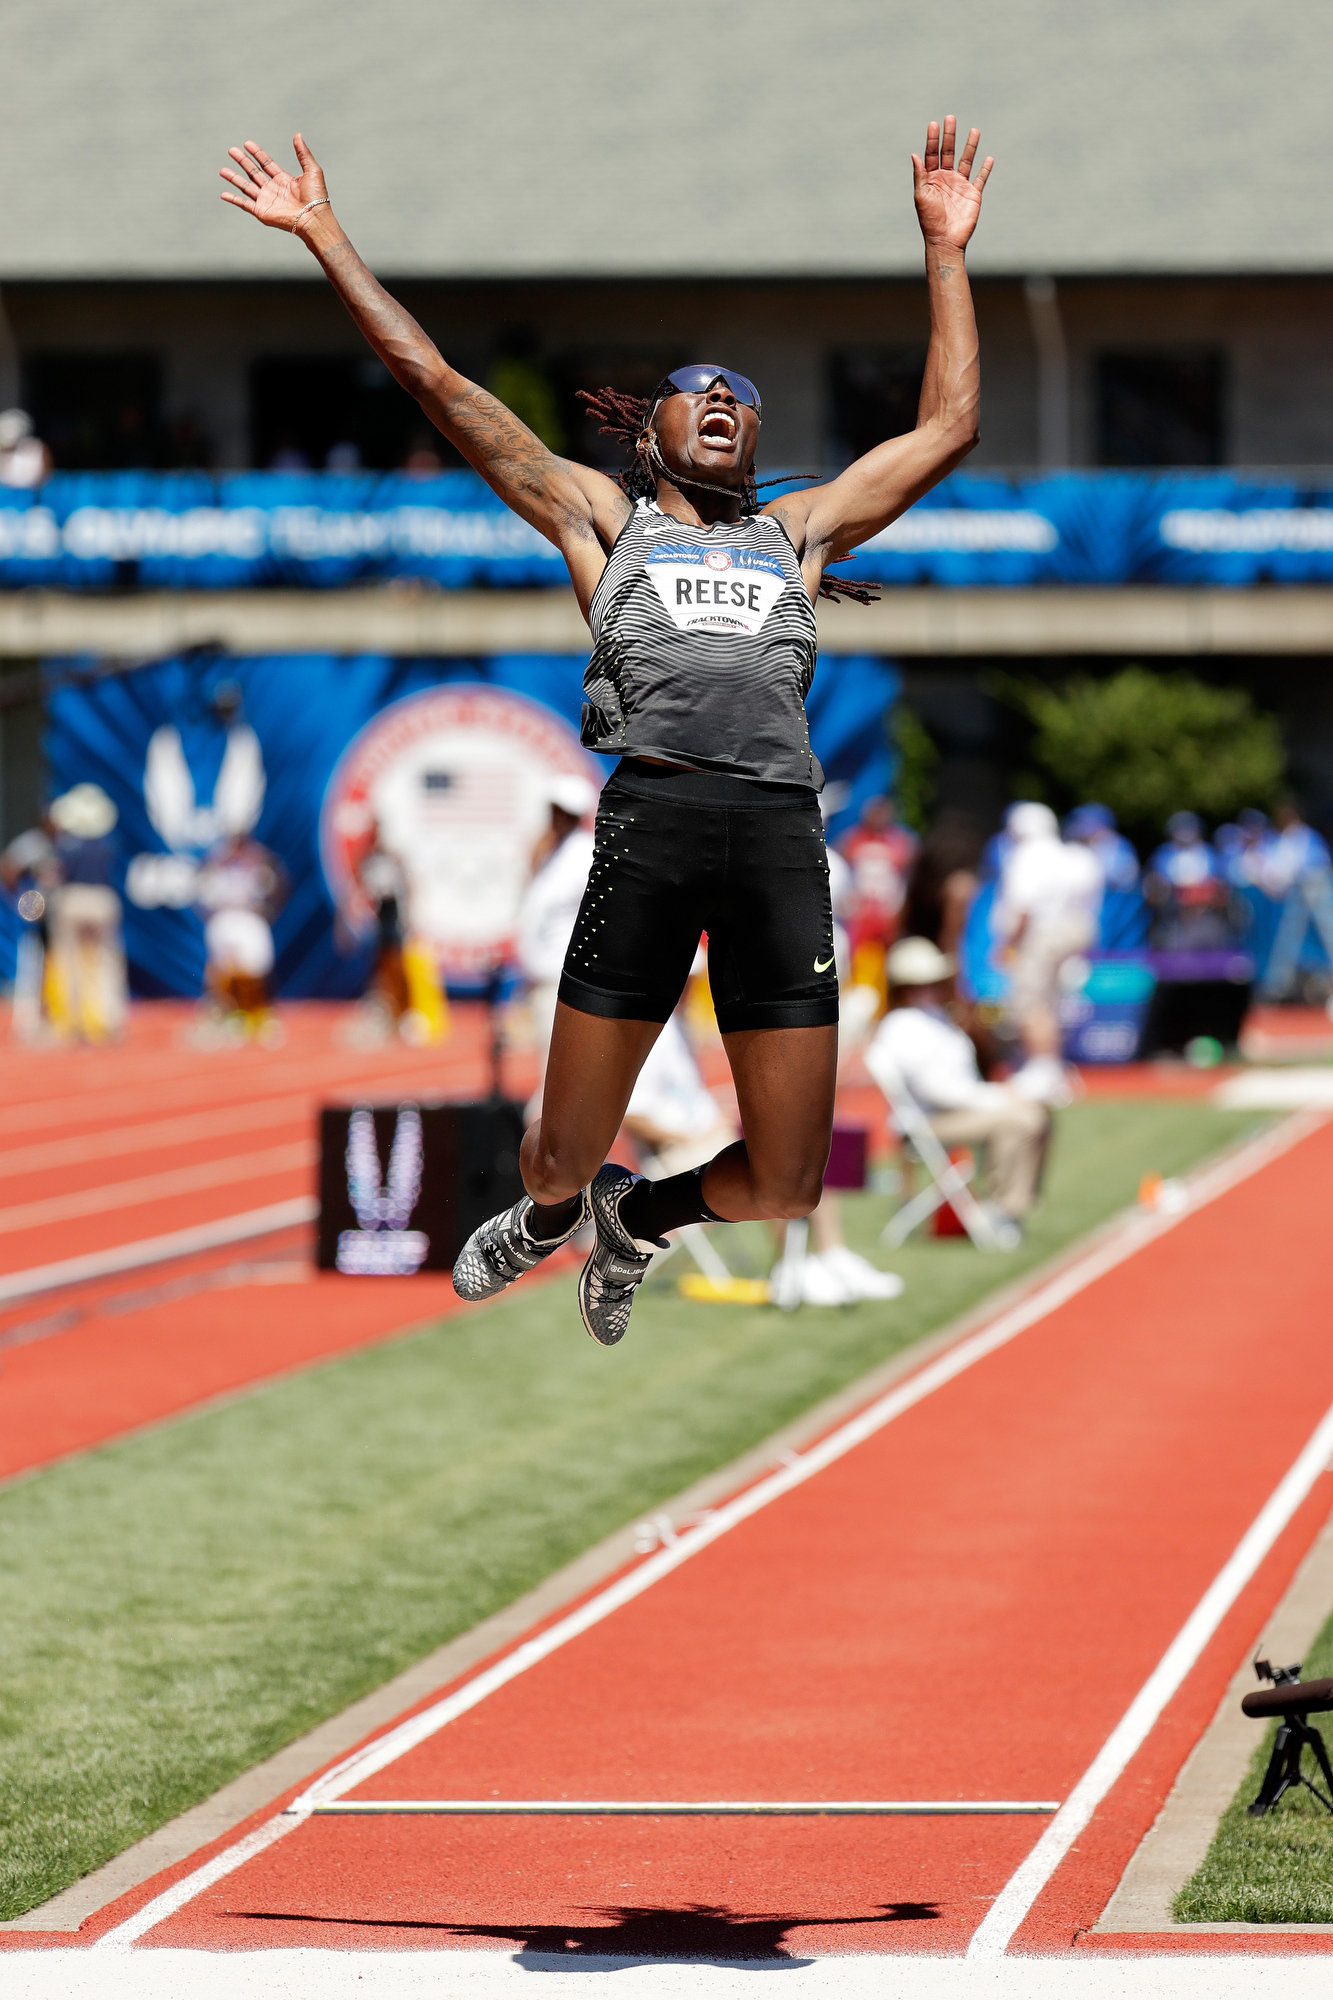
x=1295, y=871
x=996, y=851
x=288, y=456
x=1046, y=910
x=239, y=890
x=943, y=881
x=672, y=1116
x=404, y=994
x=343, y=457
x=24, y=459
x=1241, y=847
x=834, y=1274
x=86, y=984
x=546, y=916
x=383, y=882
x=31, y=873
x=879, y=853
x=1188, y=892
x=919, y=1047
x=423, y=459
x=1095, y=826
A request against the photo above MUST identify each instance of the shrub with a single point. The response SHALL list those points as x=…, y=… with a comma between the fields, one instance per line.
x=1148, y=744
x=914, y=781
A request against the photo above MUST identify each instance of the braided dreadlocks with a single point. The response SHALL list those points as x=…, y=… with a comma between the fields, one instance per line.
x=625, y=418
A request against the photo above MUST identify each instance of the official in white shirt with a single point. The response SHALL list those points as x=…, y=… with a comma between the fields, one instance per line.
x=919, y=1050
x=1049, y=901
x=550, y=906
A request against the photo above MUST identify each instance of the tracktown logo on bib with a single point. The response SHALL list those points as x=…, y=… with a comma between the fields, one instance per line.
x=715, y=589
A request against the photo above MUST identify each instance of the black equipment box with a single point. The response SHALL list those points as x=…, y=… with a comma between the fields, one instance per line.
x=402, y=1186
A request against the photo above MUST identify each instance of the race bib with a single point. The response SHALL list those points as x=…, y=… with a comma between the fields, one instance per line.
x=715, y=589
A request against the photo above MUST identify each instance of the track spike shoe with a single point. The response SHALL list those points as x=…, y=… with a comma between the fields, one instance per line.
x=618, y=1263
x=501, y=1250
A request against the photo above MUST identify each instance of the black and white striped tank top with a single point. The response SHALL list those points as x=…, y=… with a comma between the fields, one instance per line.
x=703, y=649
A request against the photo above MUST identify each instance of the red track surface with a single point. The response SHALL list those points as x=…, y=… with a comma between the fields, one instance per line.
x=963, y=1606
x=99, y=1148
x=102, y=1147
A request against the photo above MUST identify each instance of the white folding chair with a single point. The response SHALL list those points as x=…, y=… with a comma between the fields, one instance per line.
x=947, y=1182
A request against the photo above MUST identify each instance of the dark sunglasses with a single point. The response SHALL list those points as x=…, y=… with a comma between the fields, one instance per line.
x=699, y=377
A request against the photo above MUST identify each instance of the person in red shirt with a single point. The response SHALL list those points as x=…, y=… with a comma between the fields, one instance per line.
x=879, y=853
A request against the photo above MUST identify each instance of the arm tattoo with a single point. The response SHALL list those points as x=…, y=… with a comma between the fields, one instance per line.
x=506, y=453
x=493, y=438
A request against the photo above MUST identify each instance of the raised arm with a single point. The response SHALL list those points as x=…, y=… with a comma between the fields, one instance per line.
x=577, y=508
x=827, y=522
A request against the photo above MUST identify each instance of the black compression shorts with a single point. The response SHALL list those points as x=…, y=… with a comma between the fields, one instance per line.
x=680, y=852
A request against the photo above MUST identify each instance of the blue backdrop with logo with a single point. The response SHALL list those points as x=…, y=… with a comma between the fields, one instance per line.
x=186, y=529
x=304, y=711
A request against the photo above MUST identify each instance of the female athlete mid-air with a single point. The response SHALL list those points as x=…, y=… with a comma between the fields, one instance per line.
x=701, y=607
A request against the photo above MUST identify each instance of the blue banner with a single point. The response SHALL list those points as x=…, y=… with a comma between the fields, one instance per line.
x=325, y=530
x=295, y=751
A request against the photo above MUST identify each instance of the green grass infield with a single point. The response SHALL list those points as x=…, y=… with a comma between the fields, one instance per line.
x=1278, y=1869
x=183, y=1603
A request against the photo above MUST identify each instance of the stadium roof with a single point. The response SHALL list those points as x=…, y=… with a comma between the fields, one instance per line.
x=612, y=138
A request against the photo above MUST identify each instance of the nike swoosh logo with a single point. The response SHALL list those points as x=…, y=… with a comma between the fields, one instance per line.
x=824, y=967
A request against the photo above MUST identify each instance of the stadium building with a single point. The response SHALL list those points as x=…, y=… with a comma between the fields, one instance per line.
x=1154, y=286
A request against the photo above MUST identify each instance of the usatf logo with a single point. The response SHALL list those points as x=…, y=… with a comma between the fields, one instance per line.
x=383, y=1246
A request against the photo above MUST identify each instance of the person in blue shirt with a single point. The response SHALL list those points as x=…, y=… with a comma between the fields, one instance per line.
x=1184, y=883
x=1241, y=847
x=1295, y=871
x=1095, y=826
x=1000, y=845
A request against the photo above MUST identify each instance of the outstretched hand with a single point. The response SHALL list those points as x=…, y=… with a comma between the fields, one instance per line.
x=266, y=191
x=948, y=200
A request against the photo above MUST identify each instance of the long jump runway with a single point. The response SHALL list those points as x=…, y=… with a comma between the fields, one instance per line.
x=1020, y=1580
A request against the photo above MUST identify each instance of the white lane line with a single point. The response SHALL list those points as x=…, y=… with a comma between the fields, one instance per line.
x=184, y=1129
x=157, y=1249
x=702, y=1808
x=192, y=1885
x=157, y=1187
x=993, y=1935
x=384, y=1750
x=316, y=1074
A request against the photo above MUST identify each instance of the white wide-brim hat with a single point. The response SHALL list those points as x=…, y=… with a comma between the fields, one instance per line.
x=1029, y=820
x=915, y=961
x=84, y=811
x=572, y=794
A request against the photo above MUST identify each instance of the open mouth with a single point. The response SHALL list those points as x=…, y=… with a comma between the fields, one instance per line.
x=718, y=427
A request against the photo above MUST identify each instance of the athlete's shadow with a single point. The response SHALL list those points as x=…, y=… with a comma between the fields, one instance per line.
x=701, y=1932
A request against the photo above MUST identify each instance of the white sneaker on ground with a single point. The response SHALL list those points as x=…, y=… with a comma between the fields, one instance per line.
x=859, y=1278
x=1005, y=1228
x=806, y=1281
x=1044, y=1080
x=784, y=1284
x=822, y=1287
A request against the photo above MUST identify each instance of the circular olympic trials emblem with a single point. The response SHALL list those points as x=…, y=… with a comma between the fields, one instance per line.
x=717, y=559
x=457, y=780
